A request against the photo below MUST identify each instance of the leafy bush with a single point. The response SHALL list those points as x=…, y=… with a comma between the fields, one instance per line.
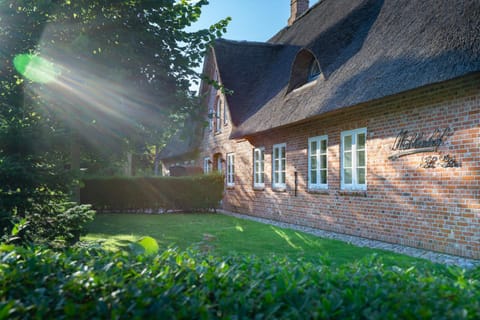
x=55, y=224
x=168, y=193
x=84, y=284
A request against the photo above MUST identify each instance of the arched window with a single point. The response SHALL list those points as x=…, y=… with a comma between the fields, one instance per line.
x=305, y=69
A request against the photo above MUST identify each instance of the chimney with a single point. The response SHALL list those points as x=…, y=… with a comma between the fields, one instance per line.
x=297, y=8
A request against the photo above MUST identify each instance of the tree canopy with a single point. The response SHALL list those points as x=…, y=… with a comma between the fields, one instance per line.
x=108, y=74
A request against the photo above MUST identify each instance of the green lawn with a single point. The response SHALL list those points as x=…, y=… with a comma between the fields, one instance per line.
x=227, y=235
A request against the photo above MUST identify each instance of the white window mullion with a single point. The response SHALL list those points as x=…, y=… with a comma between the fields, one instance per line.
x=354, y=159
x=317, y=163
x=206, y=165
x=258, y=167
x=230, y=169
x=279, y=160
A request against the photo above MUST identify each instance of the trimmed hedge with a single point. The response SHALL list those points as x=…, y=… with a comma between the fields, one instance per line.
x=84, y=284
x=192, y=193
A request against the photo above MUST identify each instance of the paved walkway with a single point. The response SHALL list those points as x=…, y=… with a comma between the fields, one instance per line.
x=362, y=242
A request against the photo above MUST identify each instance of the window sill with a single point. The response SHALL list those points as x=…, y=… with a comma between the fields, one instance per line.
x=258, y=188
x=230, y=187
x=279, y=189
x=318, y=191
x=353, y=193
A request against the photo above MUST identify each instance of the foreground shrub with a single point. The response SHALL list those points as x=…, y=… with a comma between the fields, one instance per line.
x=190, y=193
x=55, y=224
x=187, y=285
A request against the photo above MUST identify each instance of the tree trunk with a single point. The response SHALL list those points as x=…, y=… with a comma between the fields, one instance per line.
x=156, y=161
x=75, y=165
x=128, y=165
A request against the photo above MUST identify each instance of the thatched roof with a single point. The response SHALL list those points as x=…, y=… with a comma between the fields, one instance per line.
x=179, y=145
x=367, y=49
x=244, y=67
x=184, y=142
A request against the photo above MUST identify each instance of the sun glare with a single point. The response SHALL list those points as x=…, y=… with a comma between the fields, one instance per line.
x=93, y=99
x=101, y=108
x=35, y=68
x=95, y=96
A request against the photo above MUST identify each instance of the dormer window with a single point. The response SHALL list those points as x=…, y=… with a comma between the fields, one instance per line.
x=305, y=69
x=314, y=71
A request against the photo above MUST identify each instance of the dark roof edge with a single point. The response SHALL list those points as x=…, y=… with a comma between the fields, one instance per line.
x=239, y=135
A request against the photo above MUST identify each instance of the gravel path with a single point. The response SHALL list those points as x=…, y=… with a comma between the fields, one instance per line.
x=362, y=242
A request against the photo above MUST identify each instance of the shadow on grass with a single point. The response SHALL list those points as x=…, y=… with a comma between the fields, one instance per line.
x=225, y=235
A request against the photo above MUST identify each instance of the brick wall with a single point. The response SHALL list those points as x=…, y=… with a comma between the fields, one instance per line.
x=432, y=208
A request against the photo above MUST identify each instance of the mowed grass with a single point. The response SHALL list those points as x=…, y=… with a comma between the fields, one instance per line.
x=224, y=235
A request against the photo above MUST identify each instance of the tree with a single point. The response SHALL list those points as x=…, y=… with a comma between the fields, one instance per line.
x=97, y=75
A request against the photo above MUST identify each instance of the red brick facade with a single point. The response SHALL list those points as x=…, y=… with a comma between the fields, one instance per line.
x=433, y=208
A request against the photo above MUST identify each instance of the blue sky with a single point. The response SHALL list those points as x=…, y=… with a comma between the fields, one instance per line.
x=252, y=20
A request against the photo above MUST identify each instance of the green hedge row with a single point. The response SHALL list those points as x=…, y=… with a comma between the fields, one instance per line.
x=83, y=284
x=200, y=192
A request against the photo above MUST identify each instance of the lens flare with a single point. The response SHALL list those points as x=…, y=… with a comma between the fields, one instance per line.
x=35, y=68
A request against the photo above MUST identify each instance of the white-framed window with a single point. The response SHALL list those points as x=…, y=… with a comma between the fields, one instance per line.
x=218, y=115
x=259, y=167
x=354, y=159
x=230, y=169
x=207, y=165
x=317, y=163
x=279, y=162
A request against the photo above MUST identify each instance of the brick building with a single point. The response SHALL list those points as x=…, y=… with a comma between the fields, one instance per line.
x=360, y=117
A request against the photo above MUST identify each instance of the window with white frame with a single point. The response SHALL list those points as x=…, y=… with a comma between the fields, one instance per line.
x=206, y=165
x=258, y=167
x=218, y=116
x=278, y=166
x=317, y=162
x=230, y=169
x=354, y=157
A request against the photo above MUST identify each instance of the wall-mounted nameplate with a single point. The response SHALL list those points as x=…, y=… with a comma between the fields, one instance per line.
x=407, y=143
x=445, y=161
